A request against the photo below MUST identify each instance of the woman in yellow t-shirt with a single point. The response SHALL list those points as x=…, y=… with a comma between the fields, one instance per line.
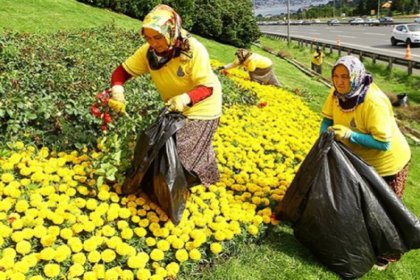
x=180, y=68
x=361, y=116
x=260, y=68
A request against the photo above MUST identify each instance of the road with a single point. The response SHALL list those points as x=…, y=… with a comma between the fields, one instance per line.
x=369, y=38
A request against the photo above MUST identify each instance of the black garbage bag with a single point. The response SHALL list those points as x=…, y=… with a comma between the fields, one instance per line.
x=156, y=168
x=344, y=212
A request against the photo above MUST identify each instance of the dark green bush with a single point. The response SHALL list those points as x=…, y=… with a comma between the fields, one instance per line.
x=226, y=21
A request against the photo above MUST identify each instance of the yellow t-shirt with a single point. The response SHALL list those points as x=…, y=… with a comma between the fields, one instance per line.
x=318, y=59
x=373, y=116
x=180, y=76
x=255, y=61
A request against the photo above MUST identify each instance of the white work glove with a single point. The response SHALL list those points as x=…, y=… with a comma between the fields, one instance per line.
x=117, y=101
x=179, y=102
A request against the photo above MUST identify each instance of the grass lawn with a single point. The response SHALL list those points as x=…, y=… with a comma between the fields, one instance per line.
x=279, y=255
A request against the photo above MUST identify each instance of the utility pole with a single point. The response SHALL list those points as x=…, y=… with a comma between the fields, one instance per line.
x=379, y=9
x=334, y=9
x=288, y=22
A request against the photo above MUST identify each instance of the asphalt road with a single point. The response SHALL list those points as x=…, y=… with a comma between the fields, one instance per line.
x=369, y=38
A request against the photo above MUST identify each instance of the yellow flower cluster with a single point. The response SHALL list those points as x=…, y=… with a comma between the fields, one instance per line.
x=54, y=222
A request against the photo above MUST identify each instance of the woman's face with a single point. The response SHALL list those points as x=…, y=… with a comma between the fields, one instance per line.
x=341, y=79
x=156, y=40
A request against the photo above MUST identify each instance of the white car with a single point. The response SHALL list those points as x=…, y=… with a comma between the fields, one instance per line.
x=406, y=33
x=417, y=20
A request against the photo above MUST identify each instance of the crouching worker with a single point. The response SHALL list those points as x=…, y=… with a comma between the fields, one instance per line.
x=260, y=68
x=180, y=68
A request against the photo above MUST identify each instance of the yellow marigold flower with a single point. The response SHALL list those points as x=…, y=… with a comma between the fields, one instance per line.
x=195, y=255
x=90, y=275
x=127, y=233
x=66, y=233
x=181, y=255
x=30, y=260
x=62, y=253
x=103, y=195
x=76, y=270
x=163, y=245
x=91, y=204
x=177, y=243
x=47, y=254
x=150, y=241
x=108, y=255
x=136, y=262
x=75, y=244
x=143, y=274
x=172, y=269
x=89, y=226
x=219, y=235
x=127, y=274
x=140, y=232
x=51, y=270
x=107, y=230
x=38, y=277
x=7, y=177
x=94, y=257
x=216, y=248
x=99, y=269
x=19, y=145
x=157, y=255
x=111, y=274
x=160, y=271
x=79, y=258
x=7, y=166
x=252, y=229
x=23, y=247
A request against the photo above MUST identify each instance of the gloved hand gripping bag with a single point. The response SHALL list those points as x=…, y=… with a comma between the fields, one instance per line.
x=344, y=212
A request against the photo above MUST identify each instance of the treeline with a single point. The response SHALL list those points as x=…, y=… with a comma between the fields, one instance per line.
x=226, y=21
x=352, y=8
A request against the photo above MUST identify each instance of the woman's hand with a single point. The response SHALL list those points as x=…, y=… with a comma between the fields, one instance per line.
x=340, y=132
x=117, y=101
x=179, y=102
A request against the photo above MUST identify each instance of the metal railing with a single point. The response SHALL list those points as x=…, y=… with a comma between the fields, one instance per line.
x=391, y=60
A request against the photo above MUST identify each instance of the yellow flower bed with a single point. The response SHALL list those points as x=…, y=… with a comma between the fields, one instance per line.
x=54, y=224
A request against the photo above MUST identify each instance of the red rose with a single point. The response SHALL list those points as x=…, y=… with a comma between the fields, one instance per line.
x=107, y=118
x=95, y=111
x=104, y=127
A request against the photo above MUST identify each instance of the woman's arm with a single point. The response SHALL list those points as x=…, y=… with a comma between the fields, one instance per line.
x=199, y=93
x=368, y=141
x=119, y=76
x=325, y=124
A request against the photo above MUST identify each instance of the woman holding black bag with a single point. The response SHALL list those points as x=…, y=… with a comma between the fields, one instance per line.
x=179, y=66
x=361, y=117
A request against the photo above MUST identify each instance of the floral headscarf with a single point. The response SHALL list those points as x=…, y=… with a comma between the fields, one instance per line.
x=242, y=55
x=359, y=78
x=167, y=22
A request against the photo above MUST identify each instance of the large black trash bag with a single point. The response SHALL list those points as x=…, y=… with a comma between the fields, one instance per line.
x=344, y=212
x=156, y=168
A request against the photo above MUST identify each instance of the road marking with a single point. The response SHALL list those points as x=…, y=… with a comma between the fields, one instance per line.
x=377, y=34
x=316, y=33
x=347, y=36
x=336, y=31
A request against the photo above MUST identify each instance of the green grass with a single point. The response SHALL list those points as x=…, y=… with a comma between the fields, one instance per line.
x=279, y=255
x=57, y=15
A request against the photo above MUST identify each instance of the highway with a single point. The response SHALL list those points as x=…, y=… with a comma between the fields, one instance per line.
x=369, y=38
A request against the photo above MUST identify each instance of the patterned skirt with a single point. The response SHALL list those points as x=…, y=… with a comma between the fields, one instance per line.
x=195, y=149
x=264, y=76
x=397, y=181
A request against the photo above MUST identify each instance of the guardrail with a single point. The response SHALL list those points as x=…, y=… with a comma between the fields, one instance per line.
x=391, y=60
